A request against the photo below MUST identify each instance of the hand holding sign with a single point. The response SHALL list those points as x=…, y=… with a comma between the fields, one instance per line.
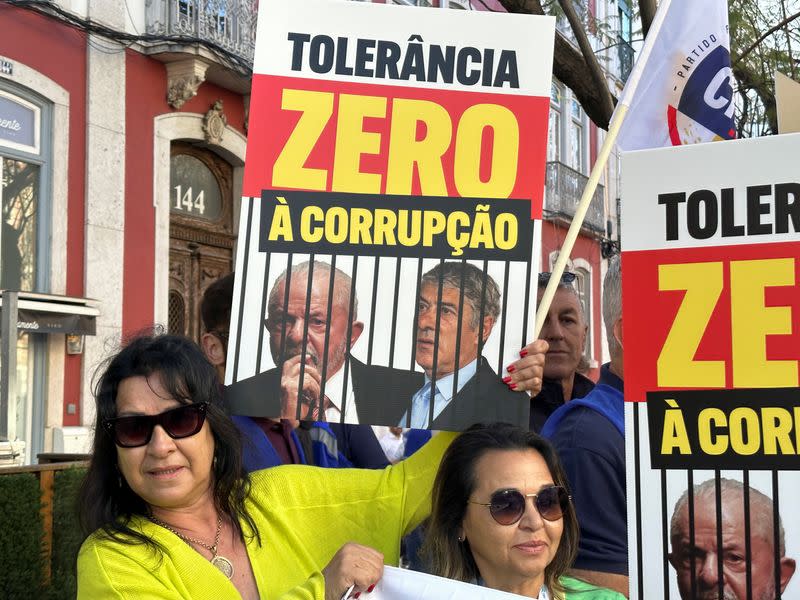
x=527, y=372
x=353, y=565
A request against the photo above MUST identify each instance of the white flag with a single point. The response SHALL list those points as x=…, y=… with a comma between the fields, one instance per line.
x=685, y=89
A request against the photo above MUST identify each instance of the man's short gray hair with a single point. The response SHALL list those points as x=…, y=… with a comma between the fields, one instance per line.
x=342, y=283
x=568, y=287
x=476, y=284
x=612, y=302
x=761, y=508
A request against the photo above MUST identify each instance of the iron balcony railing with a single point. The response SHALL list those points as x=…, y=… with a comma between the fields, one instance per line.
x=563, y=189
x=625, y=58
x=227, y=24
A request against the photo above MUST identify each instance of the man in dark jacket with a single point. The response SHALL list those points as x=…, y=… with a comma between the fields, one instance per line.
x=589, y=435
x=269, y=442
x=565, y=330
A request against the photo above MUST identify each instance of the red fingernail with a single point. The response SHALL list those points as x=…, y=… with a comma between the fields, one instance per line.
x=356, y=595
x=513, y=386
x=506, y=380
x=511, y=368
x=523, y=353
x=370, y=588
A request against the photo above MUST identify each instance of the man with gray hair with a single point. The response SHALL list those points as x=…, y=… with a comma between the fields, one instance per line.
x=704, y=555
x=312, y=326
x=588, y=434
x=458, y=306
x=564, y=329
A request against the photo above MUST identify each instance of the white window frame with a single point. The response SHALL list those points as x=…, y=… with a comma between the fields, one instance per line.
x=578, y=123
x=584, y=286
x=554, y=150
x=51, y=103
x=566, y=122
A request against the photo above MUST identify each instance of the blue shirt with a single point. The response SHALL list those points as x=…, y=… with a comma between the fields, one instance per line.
x=589, y=437
x=420, y=404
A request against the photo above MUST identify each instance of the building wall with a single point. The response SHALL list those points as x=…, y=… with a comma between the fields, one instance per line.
x=111, y=81
x=35, y=41
x=63, y=54
x=146, y=85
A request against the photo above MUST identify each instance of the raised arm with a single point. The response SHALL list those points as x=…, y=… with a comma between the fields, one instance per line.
x=331, y=528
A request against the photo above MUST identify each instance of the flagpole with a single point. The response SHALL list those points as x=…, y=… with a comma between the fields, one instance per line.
x=599, y=166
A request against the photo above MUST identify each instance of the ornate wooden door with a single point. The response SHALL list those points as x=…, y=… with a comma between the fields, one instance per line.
x=201, y=232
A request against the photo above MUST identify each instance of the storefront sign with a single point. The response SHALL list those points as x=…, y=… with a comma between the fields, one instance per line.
x=47, y=322
x=19, y=123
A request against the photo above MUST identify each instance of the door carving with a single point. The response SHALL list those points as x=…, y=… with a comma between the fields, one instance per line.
x=201, y=232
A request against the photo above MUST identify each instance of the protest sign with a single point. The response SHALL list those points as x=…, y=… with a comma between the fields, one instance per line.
x=401, y=584
x=711, y=305
x=393, y=183
x=787, y=103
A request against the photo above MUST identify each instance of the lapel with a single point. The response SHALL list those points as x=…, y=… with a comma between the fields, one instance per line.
x=382, y=394
x=466, y=408
x=463, y=404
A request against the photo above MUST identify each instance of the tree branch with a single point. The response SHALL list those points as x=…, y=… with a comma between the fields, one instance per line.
x=569, y=67
x=749, y=81
x=764, y=36
x=596, y=73
x=745, y=114
x=647, y=11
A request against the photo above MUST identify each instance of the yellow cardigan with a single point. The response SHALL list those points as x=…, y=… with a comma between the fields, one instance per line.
x=304, y=515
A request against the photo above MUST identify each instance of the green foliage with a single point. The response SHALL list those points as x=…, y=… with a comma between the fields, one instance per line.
x=756, y=54
x=20, y=537
x=67, y=535
x=21, y=534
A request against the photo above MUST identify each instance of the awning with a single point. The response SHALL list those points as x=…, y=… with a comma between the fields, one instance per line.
x=51, y=313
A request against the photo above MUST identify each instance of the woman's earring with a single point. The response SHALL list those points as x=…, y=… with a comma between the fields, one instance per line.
x=461, y=539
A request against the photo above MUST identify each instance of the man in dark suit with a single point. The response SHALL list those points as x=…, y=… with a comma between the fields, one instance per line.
x=380, y=394
x=467, y=390
x=266, y=442
x=314, y=379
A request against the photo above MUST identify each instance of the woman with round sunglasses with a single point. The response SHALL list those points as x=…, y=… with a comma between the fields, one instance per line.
x=174, y=515
x=502, y=517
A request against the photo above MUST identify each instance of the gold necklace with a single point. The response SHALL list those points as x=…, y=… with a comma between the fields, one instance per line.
x=222, y=563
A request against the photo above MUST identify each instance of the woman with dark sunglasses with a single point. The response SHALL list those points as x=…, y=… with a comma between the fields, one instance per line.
x=172, y=514
x=502, y=517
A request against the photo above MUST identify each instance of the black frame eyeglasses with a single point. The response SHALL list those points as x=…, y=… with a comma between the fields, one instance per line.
x=137, y=430
x=508, y=506
x=566, y=277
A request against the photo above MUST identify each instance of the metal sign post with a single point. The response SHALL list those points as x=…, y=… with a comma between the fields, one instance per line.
x=8, y=359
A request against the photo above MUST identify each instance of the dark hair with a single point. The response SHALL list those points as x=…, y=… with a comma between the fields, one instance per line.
x=215, y=308
x=479, y=287
x=106, y=501
x=455, y=483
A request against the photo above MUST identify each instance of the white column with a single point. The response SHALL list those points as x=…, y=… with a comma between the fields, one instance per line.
x=105, y=191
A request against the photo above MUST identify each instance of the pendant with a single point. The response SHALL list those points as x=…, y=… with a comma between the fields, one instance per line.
x=224, y=565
